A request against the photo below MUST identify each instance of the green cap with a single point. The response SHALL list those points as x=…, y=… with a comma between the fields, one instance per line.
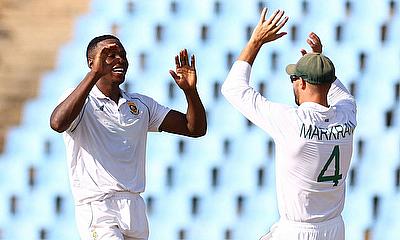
x=314, y=68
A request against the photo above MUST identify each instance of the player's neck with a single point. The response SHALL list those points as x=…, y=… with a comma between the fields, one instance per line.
x=109, y=90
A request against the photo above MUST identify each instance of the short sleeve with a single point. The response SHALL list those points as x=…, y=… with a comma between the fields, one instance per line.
x=157, y=113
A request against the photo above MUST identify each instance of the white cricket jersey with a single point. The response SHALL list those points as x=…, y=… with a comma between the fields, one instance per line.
x=313, y=145
x=106, y=144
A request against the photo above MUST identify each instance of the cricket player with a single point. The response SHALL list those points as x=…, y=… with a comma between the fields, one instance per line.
x=105, y=131
x=313, y=141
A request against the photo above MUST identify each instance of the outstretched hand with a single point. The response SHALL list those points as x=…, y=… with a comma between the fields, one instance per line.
x=185, y=75
x=315, y=43
x=267, y=30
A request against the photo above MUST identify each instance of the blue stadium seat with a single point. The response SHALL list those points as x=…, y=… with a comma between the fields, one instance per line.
x=13, y=229
x=357, y=204
x=362, y=12
x=199, y=173
x=387, y=226
x=220, y=114
x=196, y=230
x=394, y=32
x=160, y=230
x=174, y=203
x=112, y=11
x=158, y=149
x=260, y=205
x=137, y=36
x=148, y=11
x=91, y=25
x=218, y=207
x=250, y=229
x=374, y=158
x=28, y=143
x=239, y=12
x=199, y=10
x=208, y=149
x=346, y=68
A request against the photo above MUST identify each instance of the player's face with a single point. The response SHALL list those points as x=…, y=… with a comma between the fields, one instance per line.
x=296, y=96
x=296, y=89
x=117, y=75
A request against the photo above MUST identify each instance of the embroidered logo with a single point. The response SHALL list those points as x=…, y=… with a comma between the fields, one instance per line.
x=94, y=234
x=133, y=107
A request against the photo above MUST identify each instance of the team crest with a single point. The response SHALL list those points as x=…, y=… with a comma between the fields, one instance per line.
x=94, y=234
x=133, y=107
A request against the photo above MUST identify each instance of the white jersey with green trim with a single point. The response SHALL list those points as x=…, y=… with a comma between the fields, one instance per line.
x=313, y=145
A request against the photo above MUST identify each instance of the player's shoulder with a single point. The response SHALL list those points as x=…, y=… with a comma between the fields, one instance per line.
x=346, y=106
x=280, y=106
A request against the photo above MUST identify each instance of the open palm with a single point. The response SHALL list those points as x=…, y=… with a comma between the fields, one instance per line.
x=185, y=75
x=315, y=43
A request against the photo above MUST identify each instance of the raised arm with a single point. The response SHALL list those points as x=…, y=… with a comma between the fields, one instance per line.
x=68, y=110
x=193, y=123
x=265, y=31
x=338, y=92
x=236, y=88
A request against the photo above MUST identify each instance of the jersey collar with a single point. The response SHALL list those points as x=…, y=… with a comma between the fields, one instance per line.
x=99, y=95
x=315, y=106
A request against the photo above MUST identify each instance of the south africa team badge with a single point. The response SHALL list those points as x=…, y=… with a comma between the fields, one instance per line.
x=94, y=234
x=133, y=107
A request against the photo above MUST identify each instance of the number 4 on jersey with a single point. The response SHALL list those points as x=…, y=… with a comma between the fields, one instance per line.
x=335, y=178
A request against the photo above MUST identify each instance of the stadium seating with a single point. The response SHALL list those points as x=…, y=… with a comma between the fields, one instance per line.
x=221, y=186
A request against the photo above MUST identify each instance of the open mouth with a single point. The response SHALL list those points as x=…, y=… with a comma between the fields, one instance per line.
x=119, y=70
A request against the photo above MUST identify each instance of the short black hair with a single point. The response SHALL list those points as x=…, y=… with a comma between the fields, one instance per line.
x=93, y=43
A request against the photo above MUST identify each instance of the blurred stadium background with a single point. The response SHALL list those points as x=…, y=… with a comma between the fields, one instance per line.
x=220, y=186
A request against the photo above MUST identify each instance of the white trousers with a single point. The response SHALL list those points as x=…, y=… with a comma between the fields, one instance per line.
x=122, y=216
x=332, y=229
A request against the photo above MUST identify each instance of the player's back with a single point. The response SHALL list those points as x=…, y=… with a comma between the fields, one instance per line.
x=313, y=145
x=313, y=158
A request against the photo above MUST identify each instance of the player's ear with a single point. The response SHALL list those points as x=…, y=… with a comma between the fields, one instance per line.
x=303, y=83
x=90, y=62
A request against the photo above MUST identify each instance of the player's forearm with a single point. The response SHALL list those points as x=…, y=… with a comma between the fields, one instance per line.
x=66, y=112
x=195, y=114
x=250, y=51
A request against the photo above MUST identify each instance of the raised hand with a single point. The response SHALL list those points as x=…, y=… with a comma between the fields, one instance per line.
x=185, y=75
x=102, y=61
x=267, y=30
x=314, y=42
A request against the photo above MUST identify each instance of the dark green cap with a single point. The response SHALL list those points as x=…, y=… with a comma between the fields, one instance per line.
x=314, y=68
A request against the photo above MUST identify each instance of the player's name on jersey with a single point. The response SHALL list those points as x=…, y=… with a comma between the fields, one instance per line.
x=332, y=133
